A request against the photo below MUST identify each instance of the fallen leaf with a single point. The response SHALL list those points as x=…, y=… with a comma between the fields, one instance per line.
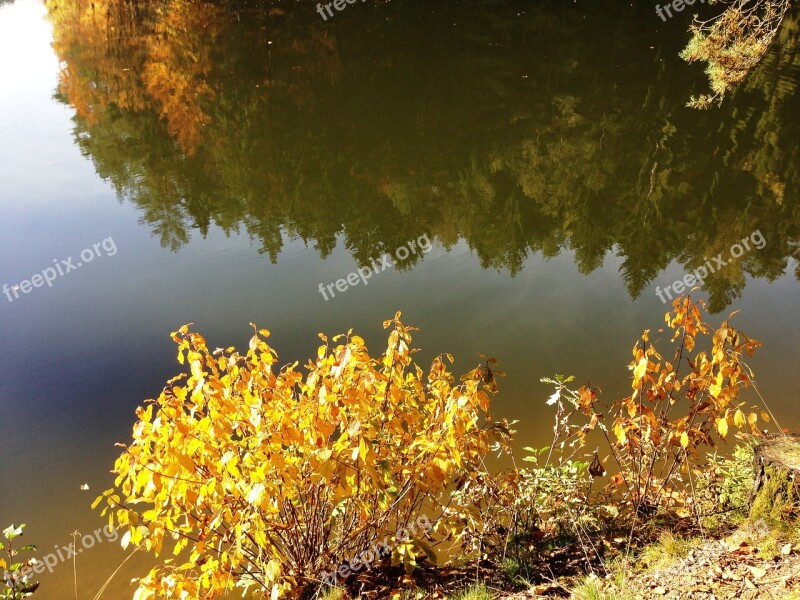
x=743, y=549
x=659, y=590
x=757, y=572
x=786, y=550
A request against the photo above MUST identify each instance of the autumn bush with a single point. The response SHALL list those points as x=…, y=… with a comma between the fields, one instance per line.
x=262, y=477
x=654, y=442
x=679, y=408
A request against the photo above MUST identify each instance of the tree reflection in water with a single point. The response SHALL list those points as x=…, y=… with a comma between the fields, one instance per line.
x=518, y=132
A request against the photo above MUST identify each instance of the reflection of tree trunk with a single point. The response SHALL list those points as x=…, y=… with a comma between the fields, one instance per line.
x=776, y=492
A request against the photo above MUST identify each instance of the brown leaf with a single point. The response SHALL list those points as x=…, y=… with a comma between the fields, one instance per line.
x=596, y=469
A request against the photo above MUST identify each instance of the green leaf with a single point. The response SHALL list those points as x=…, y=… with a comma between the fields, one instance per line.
x=12, y=532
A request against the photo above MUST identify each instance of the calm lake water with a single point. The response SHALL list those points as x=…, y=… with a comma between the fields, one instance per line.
x=216, y=163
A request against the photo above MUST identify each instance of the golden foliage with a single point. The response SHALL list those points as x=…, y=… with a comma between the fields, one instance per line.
x=101, y=55
x=177, y=66
x=677, y=407
x=111, y=60
x=263, y=477
x=132, y=56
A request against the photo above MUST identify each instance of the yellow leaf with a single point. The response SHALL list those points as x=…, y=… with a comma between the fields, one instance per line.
x=684, y=439
x=716, y=387
x=256, y=494
x=619, y=431
x=273, y=570
x=722, y=426
x=639, y=371
x=738, y=418
x=143, y=594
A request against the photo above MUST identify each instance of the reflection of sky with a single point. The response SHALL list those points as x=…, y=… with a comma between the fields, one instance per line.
x=28, y=64
x=79, y=357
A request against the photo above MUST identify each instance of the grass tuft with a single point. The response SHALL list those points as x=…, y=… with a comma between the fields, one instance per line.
x=474, y=592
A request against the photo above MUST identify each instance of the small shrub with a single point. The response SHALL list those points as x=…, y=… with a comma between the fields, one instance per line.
x=723, y=486
x=512, y=518
x=678, y=408
x=268, y=478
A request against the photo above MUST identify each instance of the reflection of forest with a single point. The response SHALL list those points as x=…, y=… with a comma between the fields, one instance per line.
x=515, y=133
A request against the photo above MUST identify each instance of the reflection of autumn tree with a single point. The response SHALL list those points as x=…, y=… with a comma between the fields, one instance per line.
x=177, y=65
x=378, y=132
x=102, y=55
x=157, y=56
x=113, y=60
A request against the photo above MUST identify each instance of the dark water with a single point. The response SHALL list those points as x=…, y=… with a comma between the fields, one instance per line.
x=229, y=158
